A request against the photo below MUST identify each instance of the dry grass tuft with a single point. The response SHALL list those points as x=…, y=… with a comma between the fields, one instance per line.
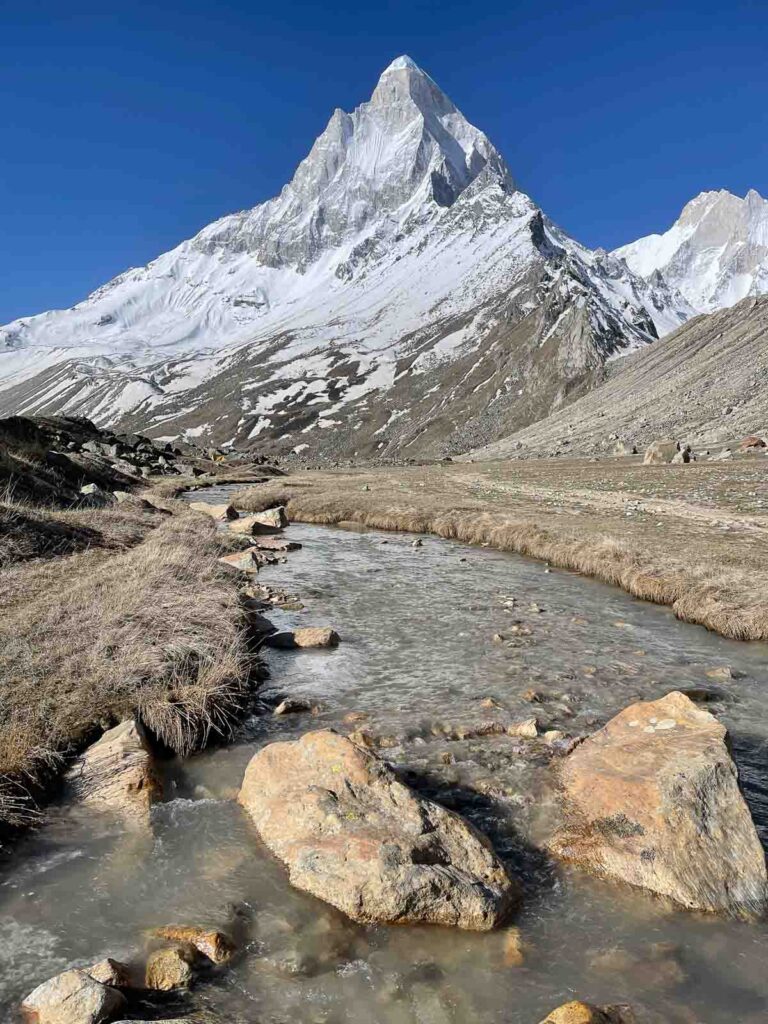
x=91, y=637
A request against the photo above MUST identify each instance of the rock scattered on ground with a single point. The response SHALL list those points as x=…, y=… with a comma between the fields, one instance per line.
x=653, y=800
x=352, y=834
x=117, y=773
x=72, y=997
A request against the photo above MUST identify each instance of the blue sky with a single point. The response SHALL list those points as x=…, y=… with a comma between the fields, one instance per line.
x=126, y=128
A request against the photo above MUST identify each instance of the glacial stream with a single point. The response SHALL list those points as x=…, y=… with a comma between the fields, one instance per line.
x=420, y=669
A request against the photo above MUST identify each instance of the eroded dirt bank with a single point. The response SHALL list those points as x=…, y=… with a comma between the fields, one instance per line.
x=693, y=537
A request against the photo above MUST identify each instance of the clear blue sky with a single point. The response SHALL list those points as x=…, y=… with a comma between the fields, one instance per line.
x=127, y=127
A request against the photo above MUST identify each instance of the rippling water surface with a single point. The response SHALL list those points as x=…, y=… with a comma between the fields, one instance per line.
x=419, y=660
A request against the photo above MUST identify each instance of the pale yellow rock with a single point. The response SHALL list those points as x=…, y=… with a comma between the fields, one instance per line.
x=221, y=513
x=72, y=998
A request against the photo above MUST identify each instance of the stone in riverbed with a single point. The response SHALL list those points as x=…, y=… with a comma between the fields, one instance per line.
x=244, y=561
x=577, y=1012
x=311, y=636
x=72, y=998
x=270, y=519
x=117, y=773
x=293, y=706
x=653, y=800
x=211, y=943
x=221, y=513
x=276, y=544
x=171, y=968
x=355, y=836
x=110, y=972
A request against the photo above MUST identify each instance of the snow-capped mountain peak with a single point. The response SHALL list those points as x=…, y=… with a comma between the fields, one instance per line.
x=715, y=254
x=398, y=293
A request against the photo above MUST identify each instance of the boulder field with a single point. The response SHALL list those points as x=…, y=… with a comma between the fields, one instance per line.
x=652, y=799
x=352, y=834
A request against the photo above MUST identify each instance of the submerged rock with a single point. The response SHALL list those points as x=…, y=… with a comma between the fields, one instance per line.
x=653, y=800
x=117, y=773
x=355, y=836
x=72, y=998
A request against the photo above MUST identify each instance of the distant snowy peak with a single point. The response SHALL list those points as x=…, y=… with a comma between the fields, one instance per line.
x=398, y=155
x=715, y=254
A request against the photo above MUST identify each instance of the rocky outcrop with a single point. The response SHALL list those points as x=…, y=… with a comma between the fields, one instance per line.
x=72, y=998
x=577, y=1012
x=355, y=836
x=117, y=773
x=653, y=800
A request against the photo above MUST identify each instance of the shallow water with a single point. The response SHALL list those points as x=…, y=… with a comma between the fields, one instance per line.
x=418, y=658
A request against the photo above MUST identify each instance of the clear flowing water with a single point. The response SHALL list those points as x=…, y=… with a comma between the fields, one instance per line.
x=417, y=666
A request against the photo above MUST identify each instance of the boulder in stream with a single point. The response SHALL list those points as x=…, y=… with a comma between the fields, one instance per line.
x=270, y=519
x=653, y=800
x=221, y=513
x=171, y=967
x=352, y=834
x=577, y=1012
x=72, y=997
x=117, y=773
x=213, y=944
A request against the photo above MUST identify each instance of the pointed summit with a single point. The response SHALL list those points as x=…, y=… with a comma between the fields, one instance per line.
x=403, y=63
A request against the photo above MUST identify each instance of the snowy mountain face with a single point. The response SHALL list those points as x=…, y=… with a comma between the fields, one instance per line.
x=400, y=296
x=715, y=254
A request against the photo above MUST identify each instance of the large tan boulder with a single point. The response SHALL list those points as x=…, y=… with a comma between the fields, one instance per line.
x=117, y=773
x=72, y=998
x=355, y=836
x=221, y=513
x=660, y=452
x=309, y=636
x=577, y=1012
x=653, y=799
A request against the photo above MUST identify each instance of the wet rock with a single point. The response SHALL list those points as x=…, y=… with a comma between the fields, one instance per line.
x=577, y=1012
x=534, y=697
x=72, y=998
x=213, y=944
x=221, y=513
x=292, y=706
x=110, y=972
x=171, y=968
x=352, y=834
x=659, y=968
x=311, y=636
x=653, y=800
x=117, y=773
x=276, y=544
x=514, y=952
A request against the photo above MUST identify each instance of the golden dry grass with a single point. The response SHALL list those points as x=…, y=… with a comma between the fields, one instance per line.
x=707, y=559
x=90, y=637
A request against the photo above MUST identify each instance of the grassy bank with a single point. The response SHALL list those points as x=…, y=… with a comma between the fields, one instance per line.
x=90, y=637
x=692, y=537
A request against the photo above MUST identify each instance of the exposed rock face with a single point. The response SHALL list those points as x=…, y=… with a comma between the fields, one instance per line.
x=72, y=998
x=352, y=834
x=653, y=800
x=577, y=1012
x=211, y=943
x=117, y=773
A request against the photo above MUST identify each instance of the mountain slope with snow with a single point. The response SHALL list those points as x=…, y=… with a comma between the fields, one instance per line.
x=715, y=254
x=398, y=296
